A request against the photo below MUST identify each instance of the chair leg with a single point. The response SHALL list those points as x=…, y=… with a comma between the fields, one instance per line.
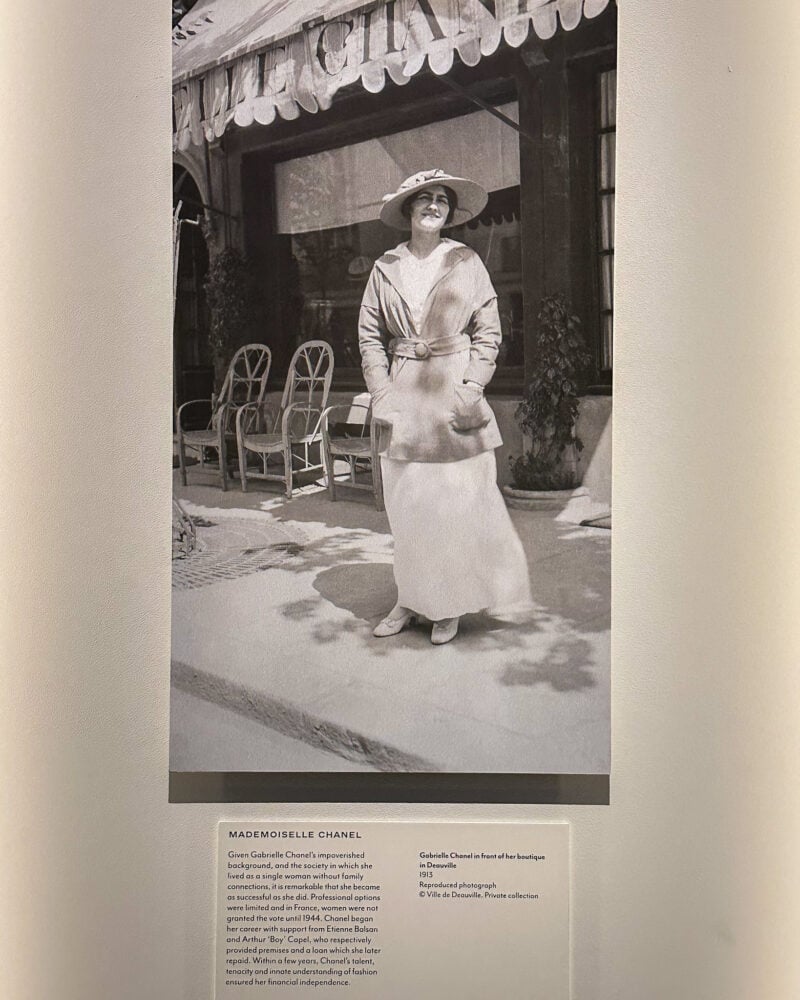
x=242, y=466
x=328, y=459
x=182, y=457
x=287, y=471
x=222, y=449
x=377, y=478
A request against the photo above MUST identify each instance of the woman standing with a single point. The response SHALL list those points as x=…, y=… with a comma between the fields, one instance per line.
x=429, y=333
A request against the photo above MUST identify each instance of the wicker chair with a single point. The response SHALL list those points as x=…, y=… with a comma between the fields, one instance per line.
x=354, y=442
x=245, y=382
x=294, y=432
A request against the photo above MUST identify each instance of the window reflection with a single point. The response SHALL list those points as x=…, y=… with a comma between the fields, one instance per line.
x=333, y=266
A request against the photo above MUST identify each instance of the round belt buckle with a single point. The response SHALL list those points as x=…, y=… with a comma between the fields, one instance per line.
x=421, y=351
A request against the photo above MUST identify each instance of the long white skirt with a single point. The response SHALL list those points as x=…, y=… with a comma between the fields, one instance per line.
x=455, y=549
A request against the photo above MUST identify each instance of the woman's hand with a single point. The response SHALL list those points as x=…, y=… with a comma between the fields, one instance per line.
x=471, y=411
x=381, y=408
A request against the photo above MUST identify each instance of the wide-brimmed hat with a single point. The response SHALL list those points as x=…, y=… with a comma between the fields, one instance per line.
x=471, y=198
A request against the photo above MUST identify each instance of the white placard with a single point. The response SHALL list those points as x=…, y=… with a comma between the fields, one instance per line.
x=393, y=910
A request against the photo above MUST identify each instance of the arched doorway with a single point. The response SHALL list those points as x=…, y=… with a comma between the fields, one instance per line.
x=194, y=370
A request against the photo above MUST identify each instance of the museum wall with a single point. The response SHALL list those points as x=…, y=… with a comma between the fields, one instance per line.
x=685, y=886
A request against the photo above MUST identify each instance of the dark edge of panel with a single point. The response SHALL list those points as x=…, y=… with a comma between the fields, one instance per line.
x=319, y=786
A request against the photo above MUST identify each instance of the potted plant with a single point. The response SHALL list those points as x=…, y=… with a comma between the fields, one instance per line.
x=229, y=293
x=545, y=475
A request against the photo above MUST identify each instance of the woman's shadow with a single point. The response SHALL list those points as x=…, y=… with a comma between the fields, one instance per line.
x=366, y=590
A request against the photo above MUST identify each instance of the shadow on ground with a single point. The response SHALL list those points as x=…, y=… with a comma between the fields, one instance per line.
x=366, y=591
x=518, y=690
x=567, y=666
x=346, y=548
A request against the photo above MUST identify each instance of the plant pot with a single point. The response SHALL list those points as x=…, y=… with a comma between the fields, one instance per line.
x=541, y=499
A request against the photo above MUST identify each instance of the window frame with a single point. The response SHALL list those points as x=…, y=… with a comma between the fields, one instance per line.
x=600, y=252
x=584, y=71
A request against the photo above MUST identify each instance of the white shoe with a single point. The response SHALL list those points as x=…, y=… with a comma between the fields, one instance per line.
x=444, y=631
x=394, y=622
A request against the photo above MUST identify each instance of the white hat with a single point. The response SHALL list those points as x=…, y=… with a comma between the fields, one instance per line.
x=470, y=196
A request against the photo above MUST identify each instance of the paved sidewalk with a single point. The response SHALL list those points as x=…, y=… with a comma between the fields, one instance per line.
x=274, y=627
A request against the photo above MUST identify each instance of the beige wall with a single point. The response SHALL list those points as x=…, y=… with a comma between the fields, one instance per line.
x=685, y=887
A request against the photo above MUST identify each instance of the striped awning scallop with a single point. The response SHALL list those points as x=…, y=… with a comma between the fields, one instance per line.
x=248, y=61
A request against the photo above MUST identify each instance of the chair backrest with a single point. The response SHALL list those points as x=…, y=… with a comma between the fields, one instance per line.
x=308, y=380
x=359, y=415
x=246, y=378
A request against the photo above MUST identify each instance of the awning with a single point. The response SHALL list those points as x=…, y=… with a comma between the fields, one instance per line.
x=247, y=61
x=346, y=184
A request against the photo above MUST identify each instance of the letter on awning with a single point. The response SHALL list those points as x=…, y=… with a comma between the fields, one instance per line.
x=248, y=61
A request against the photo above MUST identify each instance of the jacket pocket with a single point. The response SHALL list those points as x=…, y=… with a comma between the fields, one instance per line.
x=382, y=409
x=470, y=409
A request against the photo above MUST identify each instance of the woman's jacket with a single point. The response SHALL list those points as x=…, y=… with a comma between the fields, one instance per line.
x=434, y=417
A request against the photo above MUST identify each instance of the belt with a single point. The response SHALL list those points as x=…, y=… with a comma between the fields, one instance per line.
x=420, y=350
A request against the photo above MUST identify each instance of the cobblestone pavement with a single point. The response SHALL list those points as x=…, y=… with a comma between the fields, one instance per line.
x=231, y=546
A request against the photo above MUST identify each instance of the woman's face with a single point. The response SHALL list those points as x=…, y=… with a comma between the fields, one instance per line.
x=429, y=209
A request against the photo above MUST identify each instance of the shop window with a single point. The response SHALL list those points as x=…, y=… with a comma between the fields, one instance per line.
x=327, y=204
x=495, y=237
x=333, y=266
x=606, y=163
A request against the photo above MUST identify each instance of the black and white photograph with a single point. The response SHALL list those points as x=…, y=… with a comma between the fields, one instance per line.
x=312, y=621
x=393, y=278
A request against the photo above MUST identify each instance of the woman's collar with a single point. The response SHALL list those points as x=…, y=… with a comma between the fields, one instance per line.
x=445, y=243
x=389, y=264
x=402, y=250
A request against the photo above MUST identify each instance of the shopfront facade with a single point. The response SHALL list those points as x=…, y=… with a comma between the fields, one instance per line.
x=293, y=120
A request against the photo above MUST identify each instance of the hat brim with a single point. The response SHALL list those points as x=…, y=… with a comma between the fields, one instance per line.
x=471, y=202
